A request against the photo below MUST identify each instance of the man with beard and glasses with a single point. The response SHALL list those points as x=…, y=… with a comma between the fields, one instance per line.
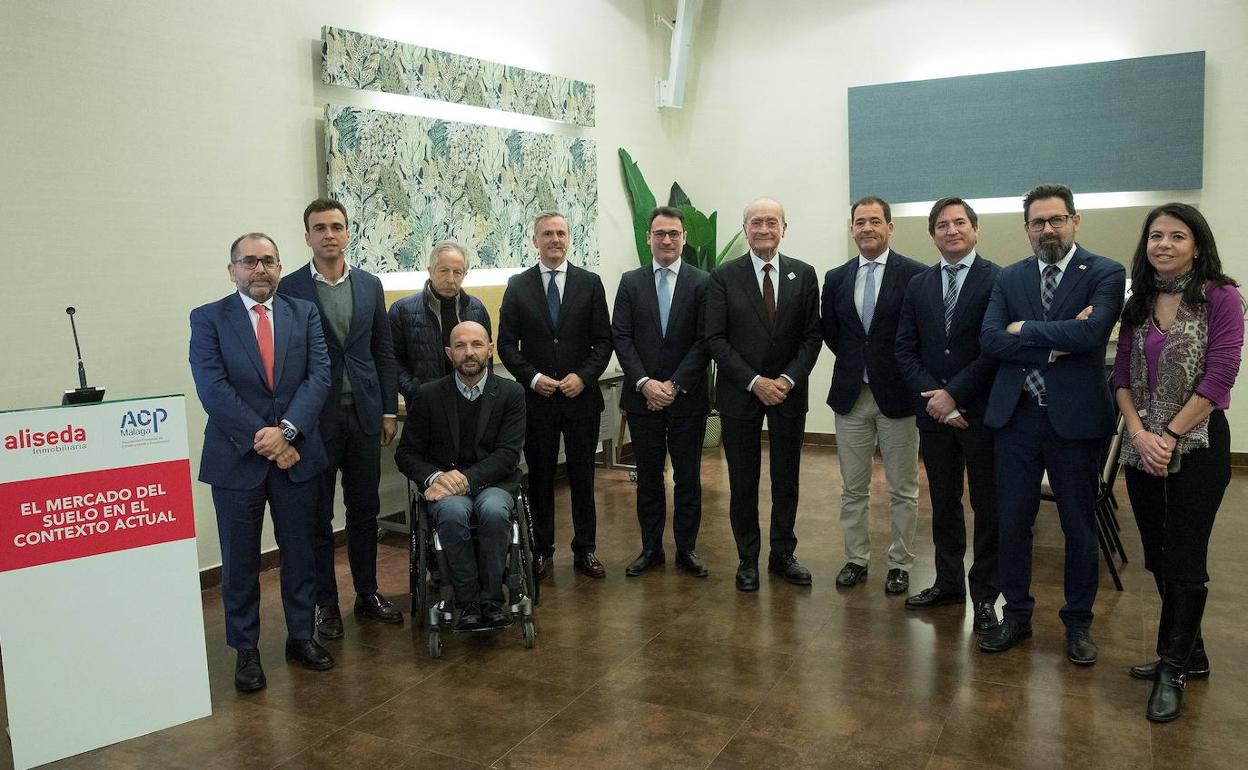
x=421, y=324
x=461, y=446
x=1047, y=323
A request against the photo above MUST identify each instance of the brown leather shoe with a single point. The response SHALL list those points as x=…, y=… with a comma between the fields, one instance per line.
x=587, y=564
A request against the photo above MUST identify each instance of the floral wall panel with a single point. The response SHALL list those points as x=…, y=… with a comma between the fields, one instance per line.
x=409, y=182
x=356, y=60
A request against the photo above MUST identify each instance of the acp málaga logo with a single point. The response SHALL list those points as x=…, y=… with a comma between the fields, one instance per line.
x=41, y=442
x=142, y=426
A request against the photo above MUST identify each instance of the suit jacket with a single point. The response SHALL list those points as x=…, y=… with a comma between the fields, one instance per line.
x=430, y=441
x=528, y=342
x=855, y=348
x=931, y=359
x=230, y=381
x=1077, y=393
x=642, y=348
x=367, y=353
x=744, y=343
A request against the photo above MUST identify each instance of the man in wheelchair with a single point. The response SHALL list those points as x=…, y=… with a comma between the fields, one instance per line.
x=461, y=446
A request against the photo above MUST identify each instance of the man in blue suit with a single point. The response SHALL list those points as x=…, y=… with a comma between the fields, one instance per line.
x=262, y=373
x=1048, y=323
x=657, y=328
x=360, y=414
x=948, y=376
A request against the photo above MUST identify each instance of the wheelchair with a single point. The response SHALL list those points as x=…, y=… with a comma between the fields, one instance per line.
x=433, y=597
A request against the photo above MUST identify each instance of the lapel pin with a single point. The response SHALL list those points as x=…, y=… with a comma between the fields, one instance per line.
x=1083, y=267
x=792, y=276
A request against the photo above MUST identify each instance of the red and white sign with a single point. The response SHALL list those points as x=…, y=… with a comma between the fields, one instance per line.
x=96, y=510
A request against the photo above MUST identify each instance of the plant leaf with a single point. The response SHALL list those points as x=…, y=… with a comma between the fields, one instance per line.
x=642, y=201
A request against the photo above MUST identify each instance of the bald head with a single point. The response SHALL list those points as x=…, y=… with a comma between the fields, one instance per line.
x=470, y=350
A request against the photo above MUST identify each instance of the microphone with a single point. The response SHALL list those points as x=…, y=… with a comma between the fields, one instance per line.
x=83, y=394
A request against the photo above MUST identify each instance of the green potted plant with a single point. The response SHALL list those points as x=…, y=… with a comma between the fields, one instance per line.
x=700, y=249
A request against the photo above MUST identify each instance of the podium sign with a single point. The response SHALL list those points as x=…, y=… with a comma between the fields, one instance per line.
x=101, y=626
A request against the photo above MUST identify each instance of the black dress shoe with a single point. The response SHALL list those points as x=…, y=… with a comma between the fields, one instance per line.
x=328, y=622
x=1166, y=699
x=851, y=575
x=692, y=563
x=985, y=618
x=469, y=617
x=376, y=607
x=309, y=653
x=494, y=616
x=747, y=576
x=1080, y=649
x=934, y=597
x=248, y=675
x=542, y=566
x=1007, y=634
x=896, y=582
x=786, y=566
x=587, y=564
x=645, y=561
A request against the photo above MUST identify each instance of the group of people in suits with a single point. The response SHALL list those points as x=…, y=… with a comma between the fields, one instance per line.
x=995, y=374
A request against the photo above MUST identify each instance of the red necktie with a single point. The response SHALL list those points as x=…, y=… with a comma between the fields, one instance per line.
x=264, y=337
x=769, y=294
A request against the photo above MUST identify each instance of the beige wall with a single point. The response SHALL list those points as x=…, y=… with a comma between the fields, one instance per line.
x=766, y=109
x=141, y=137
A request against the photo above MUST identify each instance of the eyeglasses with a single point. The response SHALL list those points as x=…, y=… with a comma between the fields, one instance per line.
x=249, y=263
x=1057, y=222
x=665, y=235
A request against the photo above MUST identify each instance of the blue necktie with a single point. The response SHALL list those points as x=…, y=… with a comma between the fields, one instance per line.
x=552, y=297
x=868, y=303
x=1034, y=381
x=665, y=298
x=951, y=293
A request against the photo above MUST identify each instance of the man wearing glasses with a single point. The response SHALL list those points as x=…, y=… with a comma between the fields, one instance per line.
x=260, y=364
x=657, y=328
x=762, y=329
x=1047, y=323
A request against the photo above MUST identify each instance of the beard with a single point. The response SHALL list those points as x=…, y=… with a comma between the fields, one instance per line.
x=469, y=367
x=1051, y=252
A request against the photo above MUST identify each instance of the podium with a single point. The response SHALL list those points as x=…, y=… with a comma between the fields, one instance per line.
x=101, y=626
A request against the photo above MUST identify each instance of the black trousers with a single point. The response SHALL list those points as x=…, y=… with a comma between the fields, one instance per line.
x=743, y=451
x=541, y=453
x=655, y=435
x=240, y=518
x=1175, y=514
x=1028, y=446
x=358, y=455
x=946, y=453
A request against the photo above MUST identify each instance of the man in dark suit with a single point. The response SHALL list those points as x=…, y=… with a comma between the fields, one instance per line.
x=555, y=338
x=949, y=376
x=262, y=373
x=657, y=328
x=762, y=329
x=1047, y=324
x=861, y=307
x=359, y=416
x=461, y=446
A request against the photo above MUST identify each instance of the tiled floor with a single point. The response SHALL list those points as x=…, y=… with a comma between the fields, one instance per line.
x=669, y=671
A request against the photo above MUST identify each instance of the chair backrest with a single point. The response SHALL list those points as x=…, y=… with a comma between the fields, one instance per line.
x=1109, y=471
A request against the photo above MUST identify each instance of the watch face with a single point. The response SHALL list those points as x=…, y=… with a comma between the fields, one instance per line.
x=289, y=433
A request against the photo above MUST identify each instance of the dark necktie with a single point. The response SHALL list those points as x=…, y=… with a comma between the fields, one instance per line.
x=1034, y=383
x=552, y=297
x=769, y=294
x=951, y=293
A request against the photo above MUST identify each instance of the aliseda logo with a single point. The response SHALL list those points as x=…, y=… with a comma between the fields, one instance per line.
x=39, y=441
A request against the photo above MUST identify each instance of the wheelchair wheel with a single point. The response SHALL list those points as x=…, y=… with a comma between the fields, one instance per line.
x=420, y=578
x=529, y=576
x=530, y=633
x=435, y=645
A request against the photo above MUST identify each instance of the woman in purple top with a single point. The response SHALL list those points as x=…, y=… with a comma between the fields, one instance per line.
x=1178, y=354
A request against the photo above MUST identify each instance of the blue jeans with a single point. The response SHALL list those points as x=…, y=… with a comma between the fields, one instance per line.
x=476, y=577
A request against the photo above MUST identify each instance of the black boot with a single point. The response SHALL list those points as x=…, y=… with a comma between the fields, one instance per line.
x=1197, y=664
x=1181, y=610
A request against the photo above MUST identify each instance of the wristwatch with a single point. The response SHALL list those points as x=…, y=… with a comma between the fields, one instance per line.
x=288, y=430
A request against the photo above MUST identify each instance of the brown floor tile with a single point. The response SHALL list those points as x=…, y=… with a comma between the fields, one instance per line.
x=466, y=712
x=755, y=746
x=351, y=750
x=613, y=732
